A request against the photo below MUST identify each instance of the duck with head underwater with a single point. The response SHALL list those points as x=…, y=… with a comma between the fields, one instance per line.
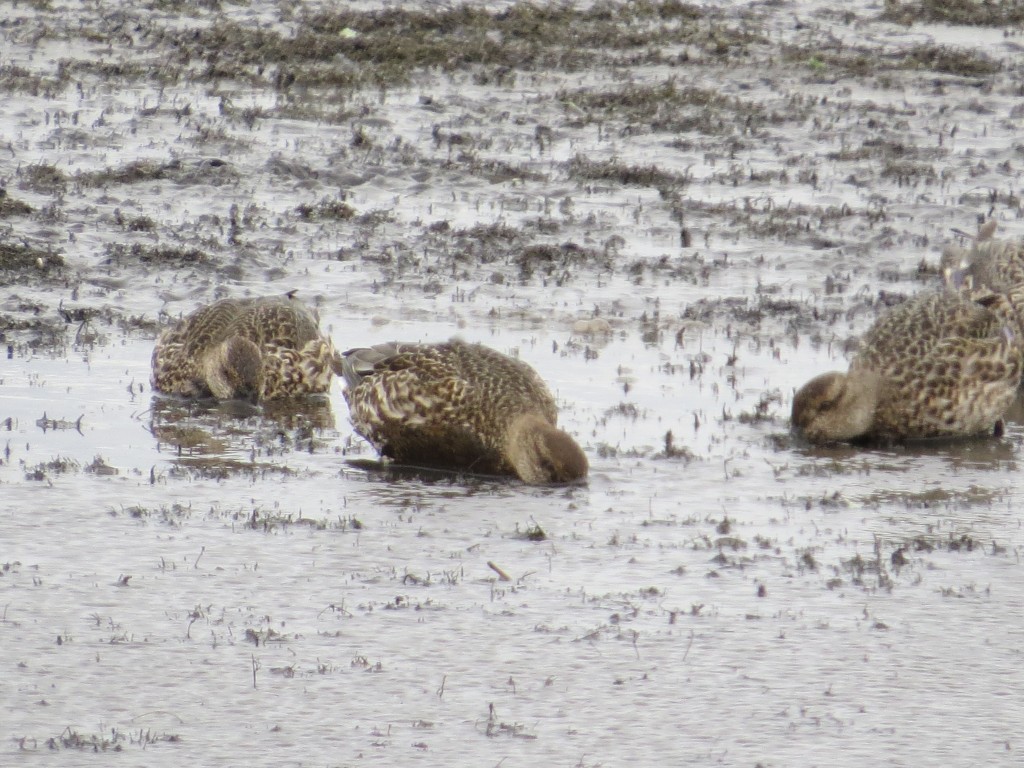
x=459, y=406
x=257, y=349
x=938, y=365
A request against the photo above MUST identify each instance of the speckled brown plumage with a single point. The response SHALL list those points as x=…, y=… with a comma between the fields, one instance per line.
x=257, y=348
x=937, y=365
x=459, y=406
x=993, y=264
x=996, y=265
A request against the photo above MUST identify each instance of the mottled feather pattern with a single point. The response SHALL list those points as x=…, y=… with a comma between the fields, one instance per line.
x=456, y=405
x=448, y=383
x=992, y=273
x=1008, y=306
x=996, y=265
x=962, y=386
x=940, y=364
x=910, y=331
x=294, y=358
x=292, y=372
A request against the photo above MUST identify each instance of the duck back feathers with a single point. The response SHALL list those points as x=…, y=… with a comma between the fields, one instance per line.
x=988, y=264
x=459, y=406
x=257, y=348
x=938, y=365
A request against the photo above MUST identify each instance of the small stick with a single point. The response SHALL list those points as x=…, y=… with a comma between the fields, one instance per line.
x=502, y=576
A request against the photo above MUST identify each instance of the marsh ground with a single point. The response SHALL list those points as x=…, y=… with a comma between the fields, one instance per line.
x=676, y=212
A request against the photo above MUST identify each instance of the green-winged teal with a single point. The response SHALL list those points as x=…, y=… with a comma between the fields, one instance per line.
x=257, y=348
x=459, y=406
x=937, y=365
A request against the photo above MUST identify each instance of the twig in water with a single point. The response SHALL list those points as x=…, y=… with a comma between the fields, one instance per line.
x=688, y=646
x=502, y=576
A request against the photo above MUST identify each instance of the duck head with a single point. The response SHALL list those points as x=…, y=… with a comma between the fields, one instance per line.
x=234, y=370
x=541, y=453
x=836, y=406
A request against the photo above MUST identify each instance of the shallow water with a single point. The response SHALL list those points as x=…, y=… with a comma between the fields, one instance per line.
x=214, y=583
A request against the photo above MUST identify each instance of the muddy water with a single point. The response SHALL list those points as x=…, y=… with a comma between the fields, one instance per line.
x=215, y=584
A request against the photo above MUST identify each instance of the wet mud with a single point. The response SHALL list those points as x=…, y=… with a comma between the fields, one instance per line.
x=677, y=213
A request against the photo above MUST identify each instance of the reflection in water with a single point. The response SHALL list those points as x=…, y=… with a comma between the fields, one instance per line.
x=402, y=486
x=216, y=438
x=961, y=477
x=757, y=604
x=987, y=453
x=1015, y=413
x=389, y=472
x=984, y=453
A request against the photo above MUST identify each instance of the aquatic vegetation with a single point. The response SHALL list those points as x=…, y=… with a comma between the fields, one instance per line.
x=674, y=213
x=984, y=14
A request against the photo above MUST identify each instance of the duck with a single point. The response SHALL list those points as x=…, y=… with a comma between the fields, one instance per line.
x=459, y=406
x=258, y=348
x=991, y=271
x=989, y=264
x=940, y=364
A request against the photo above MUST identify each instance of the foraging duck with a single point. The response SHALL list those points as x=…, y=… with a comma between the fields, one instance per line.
x=257, y=348
x=937, y=365
x=459, y=406
x=989, y=264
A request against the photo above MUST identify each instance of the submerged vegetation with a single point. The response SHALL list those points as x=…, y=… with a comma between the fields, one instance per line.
x=987, y=13
x=673, y=208
x=23, y=263
x=352, y=49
